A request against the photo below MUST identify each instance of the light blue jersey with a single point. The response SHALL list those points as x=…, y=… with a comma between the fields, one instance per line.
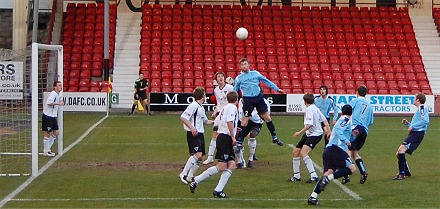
x=249, y=83
x=362, y=113
x=341, y=133
x=326, y=105
x=420, y=119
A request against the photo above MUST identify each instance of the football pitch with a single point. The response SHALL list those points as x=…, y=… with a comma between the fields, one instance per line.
x=134, y=162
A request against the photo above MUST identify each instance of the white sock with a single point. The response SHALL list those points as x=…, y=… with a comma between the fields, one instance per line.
x=206, y=174
x=296, y=163
x=331, y=177
x=240, y=156
x=51, y=141
x=46, y=143
x=192, y=160
x=309, y=164
x=252, y=144
x=212, y=147
x=193, y=170
x=223, y=180
x=314, y=194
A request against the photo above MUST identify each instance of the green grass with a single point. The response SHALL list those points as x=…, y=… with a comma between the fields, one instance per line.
x=134, y=162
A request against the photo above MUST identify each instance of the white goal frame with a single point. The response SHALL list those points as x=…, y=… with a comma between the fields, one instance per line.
x=35, y=112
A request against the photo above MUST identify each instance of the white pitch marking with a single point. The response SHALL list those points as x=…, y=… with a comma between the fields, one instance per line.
x=165, y=199
x=47, y=165
x=344, y=188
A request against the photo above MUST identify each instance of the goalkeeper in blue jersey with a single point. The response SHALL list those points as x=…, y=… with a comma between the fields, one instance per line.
x=362, y=119
x=337, y=162
x=417, y=129
x=326, y=104
x=248, y=82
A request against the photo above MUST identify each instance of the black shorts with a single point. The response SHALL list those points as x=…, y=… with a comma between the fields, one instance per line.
x=335, y=158
x=195, y=144
x=413, y=141
x=249, y=103
x=359, y=141
x=310, y=141
x=254, y=128
x=49, y=124
x=140, y=96
x=225, y=150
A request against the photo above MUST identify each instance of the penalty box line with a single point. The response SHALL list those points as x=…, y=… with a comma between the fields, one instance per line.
x=340, y=185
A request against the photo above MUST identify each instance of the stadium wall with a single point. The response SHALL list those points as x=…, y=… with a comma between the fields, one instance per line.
x=437, y=105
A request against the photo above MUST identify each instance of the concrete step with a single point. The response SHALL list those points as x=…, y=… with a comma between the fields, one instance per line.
x=126, y=55
x=127, y=37
x=429, y=58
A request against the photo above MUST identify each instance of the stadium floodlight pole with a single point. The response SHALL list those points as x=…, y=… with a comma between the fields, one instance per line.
x=34, y=96
x=35, y=25
x=106, y=38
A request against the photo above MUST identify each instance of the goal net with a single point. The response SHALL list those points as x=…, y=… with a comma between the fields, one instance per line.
x=25, y=75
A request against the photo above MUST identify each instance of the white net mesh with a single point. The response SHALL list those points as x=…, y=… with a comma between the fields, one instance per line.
x=15, y=112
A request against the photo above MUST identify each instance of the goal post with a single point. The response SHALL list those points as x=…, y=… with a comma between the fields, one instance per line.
x=51, y=63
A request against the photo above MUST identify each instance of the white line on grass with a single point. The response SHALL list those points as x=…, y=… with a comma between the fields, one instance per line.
x=47, y=165
x=344, y=188
x=167, y=199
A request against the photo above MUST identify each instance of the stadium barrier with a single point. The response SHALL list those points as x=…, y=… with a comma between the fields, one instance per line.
x=293, y=103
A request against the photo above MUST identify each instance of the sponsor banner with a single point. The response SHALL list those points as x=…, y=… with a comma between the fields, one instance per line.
x=179, y=102
x=389, y=104
x=11, y=80
x=83, y=101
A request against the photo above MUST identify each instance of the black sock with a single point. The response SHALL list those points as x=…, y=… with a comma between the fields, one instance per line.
x=132, y=108
x=361, y=166
x=242, y=134
x=402, y=163
x=342, y=172
x=407, y=171
x=271, y=128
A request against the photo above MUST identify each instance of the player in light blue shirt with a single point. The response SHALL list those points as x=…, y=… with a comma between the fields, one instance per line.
x=417, y=129
x=337, y=162
x=248, y=82
x=362, y=119
x=325, y=105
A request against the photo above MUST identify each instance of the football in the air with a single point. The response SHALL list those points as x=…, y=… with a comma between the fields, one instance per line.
x=242, y=33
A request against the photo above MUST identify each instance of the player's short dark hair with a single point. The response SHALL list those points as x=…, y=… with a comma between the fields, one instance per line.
x=362, y=90
x=324, y=87
x=141, y=73
x=347, y=110
x=56, y=83
x=421, y=97
x=244, y=59
x=232, y=96
x=219, y=73
x=199, y=92
x=309, y=98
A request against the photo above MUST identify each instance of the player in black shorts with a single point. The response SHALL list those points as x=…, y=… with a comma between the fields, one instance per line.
x=140, y=86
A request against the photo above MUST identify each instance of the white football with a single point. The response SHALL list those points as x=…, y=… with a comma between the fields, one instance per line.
x=229, y=80
x=242, y=33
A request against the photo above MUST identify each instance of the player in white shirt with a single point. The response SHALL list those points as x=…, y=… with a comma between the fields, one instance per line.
x=193, y=119
x=253, y=129
x=220, y=94
x=225, y=155
x=49, y=122
x=312, y=135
